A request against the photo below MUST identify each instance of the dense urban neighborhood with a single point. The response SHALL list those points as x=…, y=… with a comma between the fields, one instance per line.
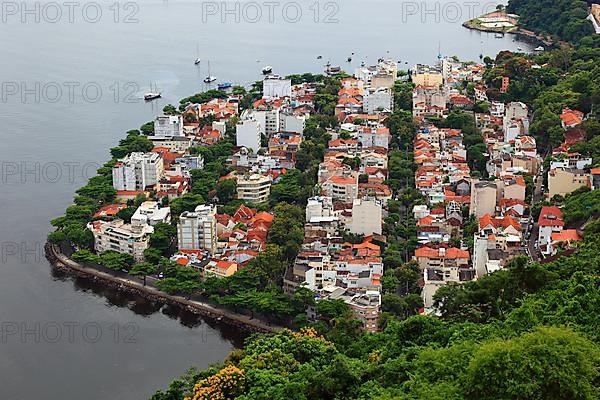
x=446, y=198
x=369, y=214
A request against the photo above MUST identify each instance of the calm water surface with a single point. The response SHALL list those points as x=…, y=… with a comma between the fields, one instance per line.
x=141, y=346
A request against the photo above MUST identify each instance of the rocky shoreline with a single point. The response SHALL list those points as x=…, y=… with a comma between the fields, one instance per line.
x=63, y=263
x=521, y=33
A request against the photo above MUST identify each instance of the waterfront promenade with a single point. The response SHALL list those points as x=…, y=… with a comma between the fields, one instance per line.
x=135, y=286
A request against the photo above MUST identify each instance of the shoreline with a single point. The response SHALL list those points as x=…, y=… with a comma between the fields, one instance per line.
x=63, y=263
x=517, y=31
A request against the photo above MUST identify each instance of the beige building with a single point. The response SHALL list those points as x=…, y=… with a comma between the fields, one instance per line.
x=220, y=268
x=175, y=144
x=342, y=187
x=514, y=188
x=483, y=198
x=383, y=80
x=366, y=217
x=254, y=188
x=121, y=237
x=563, y=181
x=425, y=75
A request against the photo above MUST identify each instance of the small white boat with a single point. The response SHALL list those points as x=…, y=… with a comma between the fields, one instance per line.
x=499, y=35
x=197, y=60
x=152, y=96
x=209, y=78
x=539, y=48
x=267, y=70
x=519, y=49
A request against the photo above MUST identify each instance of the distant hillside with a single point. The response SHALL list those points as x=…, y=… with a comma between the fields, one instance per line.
x=565, y=19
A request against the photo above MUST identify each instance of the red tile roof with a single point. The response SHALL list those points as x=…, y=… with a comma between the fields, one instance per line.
x=566, y=235
x=451, y=253
x=551, y=216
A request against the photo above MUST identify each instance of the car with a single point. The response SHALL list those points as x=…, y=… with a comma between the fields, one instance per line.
x=125, y=270
x=161, y=275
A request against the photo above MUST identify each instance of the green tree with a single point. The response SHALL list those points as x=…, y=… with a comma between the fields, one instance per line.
x=550, y=363
x=143, y=269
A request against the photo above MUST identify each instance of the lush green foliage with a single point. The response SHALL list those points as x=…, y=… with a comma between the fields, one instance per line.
x=529, y=331
x=562, y=18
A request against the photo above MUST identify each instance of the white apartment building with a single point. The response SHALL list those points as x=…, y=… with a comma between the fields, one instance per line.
x=276, y=86
x=270, y=120
x=377, y=100
x=168, y=126
x=497, y=109
x=248, y=134
x=292, y=123
x=121, y=237
x=319, y=207
x=366, y=217
x=254, y=188
x=137, y=171
x=150, y=213
x=198, y=230
x=365, y=74
x=374, y=137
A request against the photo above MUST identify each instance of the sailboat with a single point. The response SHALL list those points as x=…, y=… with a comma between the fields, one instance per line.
x=153, y=94
x=209, y=79
x=197, y=60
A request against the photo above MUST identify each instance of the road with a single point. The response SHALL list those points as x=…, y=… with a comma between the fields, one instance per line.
x=208, y=310
x=537, y=197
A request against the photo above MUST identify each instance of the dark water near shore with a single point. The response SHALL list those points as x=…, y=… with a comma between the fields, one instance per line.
x=120, y=347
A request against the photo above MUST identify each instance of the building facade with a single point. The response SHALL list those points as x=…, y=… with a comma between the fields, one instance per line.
x=198, y=230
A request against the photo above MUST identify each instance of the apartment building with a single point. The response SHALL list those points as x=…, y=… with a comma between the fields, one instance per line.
x=562, y=181
x=254, y=188
x=275, y=86
x=168, y=126
x=149, y=212
x=483, y=198
x=137, y=171
x=366, y=217
x=197, y=230
x=374, y=137
x=342, y=187
x=121, y=237
x=377, y=100
x=425, y=75
x=248, y=134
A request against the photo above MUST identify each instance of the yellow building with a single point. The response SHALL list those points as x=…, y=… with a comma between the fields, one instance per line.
x=220, y=268
x=425, y=75
x=563, y=181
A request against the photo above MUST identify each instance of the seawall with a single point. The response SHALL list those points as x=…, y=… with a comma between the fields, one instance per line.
x=61, y=262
